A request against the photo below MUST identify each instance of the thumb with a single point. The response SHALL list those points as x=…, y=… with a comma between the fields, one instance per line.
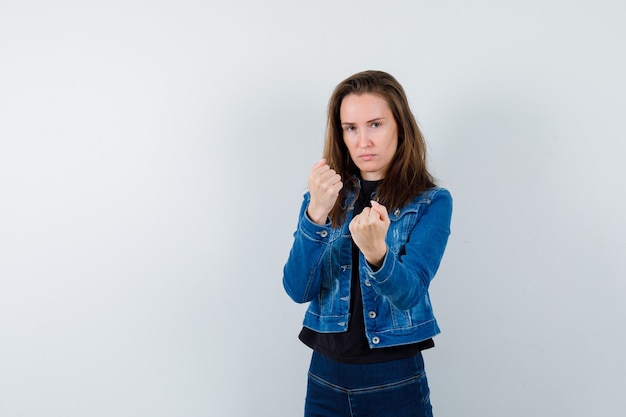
x=319, y=163
x=380, y=209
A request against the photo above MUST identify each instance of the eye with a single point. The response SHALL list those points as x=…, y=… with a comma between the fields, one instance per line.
x=349, y=128
x=376, y=124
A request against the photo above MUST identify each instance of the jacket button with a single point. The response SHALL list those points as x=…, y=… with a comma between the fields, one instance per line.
x=396, y=212
x=375, y=340
x=323, y=233
x=372, y=314
x=368, y=283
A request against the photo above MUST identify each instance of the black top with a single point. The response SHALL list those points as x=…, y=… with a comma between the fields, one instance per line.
x=352, y=346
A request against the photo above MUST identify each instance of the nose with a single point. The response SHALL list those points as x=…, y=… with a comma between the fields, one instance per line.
x=364, y=141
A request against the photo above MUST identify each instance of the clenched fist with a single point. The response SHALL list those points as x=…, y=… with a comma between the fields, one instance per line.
x=324, y=187
x=369, y=230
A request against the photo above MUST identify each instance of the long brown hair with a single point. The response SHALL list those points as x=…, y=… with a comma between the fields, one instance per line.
x=407, y=174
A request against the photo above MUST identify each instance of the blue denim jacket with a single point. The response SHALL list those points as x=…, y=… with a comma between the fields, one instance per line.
x=396, y=304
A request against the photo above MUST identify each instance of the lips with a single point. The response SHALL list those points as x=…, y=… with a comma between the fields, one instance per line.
x=367, y=156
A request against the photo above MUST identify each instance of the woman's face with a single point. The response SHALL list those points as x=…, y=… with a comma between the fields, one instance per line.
x=370, y=133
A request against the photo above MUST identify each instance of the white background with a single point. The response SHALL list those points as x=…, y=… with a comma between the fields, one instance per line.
x=153, y=156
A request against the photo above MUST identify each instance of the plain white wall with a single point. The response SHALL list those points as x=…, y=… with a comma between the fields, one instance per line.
x=153, y=156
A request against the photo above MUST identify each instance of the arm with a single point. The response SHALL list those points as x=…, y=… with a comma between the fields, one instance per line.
x=302, y=271
x=404, y=277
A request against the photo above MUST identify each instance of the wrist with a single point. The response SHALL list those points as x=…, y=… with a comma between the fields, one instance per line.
x=376, y=261
x=319, y=219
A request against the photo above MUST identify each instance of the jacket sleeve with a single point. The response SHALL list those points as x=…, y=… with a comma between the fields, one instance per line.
x=302, y=273
x=404, y=277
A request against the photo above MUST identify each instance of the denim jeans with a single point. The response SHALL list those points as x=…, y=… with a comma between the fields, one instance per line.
x=397, y=388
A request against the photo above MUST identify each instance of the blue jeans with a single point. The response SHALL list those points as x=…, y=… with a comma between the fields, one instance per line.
x=395, y=388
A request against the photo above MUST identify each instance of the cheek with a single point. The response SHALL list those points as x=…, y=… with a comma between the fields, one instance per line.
x=393, y=141
x=390, y=142
x=394, y=145
x=350, y=144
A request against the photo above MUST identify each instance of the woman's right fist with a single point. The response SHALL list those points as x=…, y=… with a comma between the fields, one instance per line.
x=324, y=187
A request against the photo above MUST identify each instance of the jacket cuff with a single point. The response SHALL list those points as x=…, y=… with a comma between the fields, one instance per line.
x=382, y=273
x=313, y=230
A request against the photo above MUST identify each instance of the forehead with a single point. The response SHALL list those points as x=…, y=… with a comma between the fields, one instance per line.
x=363, y=106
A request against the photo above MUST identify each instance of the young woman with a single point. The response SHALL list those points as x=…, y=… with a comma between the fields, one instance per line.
x=371, y=233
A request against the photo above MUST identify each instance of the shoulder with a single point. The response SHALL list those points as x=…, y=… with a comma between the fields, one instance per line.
x=433, y=199
x=433, y=194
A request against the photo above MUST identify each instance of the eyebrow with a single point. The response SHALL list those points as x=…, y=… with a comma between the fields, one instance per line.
x=369, y=121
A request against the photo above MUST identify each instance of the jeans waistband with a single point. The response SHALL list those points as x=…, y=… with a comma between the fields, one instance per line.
x=355, y=376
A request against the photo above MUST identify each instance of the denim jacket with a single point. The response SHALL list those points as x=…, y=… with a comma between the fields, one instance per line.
x=396, y=304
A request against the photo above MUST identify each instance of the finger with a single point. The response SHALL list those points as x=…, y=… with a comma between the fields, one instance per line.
x=335, y=179
x=329, y=176
x=380, y=209
x=325, y=172
x=319, y=163
x=320, y=168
